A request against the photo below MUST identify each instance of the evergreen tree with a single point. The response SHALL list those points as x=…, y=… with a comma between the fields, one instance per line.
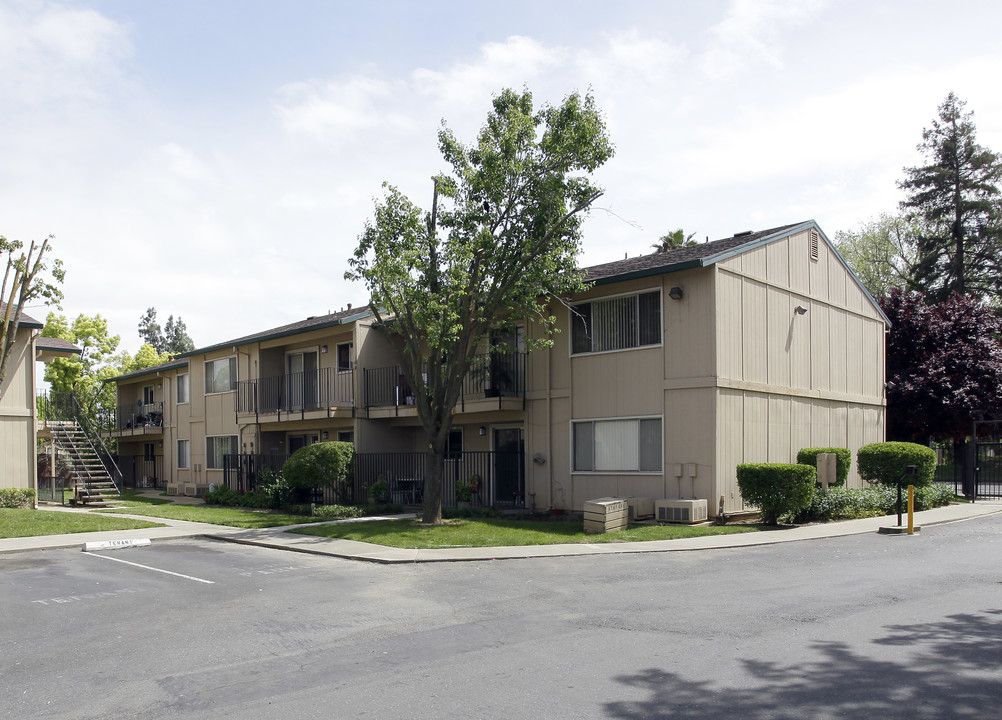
x=172, y=338
x=956, y=198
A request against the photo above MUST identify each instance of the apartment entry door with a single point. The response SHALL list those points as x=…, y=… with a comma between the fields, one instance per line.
x=509, y=467
x=301, y=380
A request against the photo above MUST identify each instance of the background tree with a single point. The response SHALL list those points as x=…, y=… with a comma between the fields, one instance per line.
x=172, y=338
x=944, y=366
x=24, y=280
x=956, y=197
x=503, y=242
x=86, y=375
x=882, y=252
x=672, y=240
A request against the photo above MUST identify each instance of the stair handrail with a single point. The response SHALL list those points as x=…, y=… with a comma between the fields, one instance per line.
x=81, y=419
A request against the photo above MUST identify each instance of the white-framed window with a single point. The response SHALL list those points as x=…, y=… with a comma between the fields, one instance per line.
x=221, y=375
x=148, y=395
x=617, y=445
x=183, y=454
x=618, y=323
x=183, y=389
x=344, y=351
x=216, y=448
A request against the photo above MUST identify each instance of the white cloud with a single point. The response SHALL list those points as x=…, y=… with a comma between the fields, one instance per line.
x=52, y=53
x=750, y=34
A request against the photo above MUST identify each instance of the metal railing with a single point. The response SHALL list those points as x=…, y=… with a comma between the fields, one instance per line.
x=297, y=392
x=64, y=407
x=500, y=477
x=142, y=471
x=491, y=375
x=139, y=417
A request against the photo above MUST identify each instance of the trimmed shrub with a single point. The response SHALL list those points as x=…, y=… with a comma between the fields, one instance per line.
x=777, y=488
x=885, y=462
x=843, y=460
x=17, y=498
x=326, y=464
x=853, y=503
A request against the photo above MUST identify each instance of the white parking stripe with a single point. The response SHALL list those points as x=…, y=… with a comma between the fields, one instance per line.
x=147, y=567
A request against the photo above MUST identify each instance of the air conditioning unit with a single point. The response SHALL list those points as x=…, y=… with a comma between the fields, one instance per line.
x=640, y=508
x=680, y=511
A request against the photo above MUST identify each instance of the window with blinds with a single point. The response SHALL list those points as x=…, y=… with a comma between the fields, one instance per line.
x=617, y=324
x=621, y=445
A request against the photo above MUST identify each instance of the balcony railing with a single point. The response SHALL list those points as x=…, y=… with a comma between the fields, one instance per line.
x=492, y=375
x=139, y=417
x=297, y=392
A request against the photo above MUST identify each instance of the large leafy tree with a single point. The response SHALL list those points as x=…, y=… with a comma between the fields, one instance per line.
x=956, y=198
x=501, y=237
x=944, y=365
x=882, y=252
x=25, y=278
x=172, y=338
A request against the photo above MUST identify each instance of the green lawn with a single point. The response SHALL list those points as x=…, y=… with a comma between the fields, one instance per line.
x=230, y=516
x=501, y=532
x=31, y=523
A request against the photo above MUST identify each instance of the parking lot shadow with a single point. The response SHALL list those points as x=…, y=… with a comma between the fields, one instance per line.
x=952, y=669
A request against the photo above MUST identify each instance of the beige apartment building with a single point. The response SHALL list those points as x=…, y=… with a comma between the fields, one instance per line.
x=18, y=409
x=669, y=371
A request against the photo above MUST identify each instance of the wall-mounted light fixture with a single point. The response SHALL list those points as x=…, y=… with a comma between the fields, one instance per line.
x=323, y=349
x=483, y=431
x=675, y=293
x=800, y=310
x=324, y=435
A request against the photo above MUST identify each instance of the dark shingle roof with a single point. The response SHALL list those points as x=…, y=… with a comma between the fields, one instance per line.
x=169, y=365
x=311, y=323
x=26, y=320
x=56, y=344
x=681, y=258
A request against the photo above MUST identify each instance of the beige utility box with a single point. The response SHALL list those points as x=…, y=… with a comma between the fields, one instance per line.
x=640, y=508
x=605, y=514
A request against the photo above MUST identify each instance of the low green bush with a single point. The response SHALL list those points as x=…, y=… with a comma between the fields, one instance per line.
x=843, y=460
x=841, y=503
x=777, y=488
x=321, y=465
x=886, y=461
x=16, y=498
x=222, y=495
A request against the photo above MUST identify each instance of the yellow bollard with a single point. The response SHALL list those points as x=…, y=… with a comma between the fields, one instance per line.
x=911, y=509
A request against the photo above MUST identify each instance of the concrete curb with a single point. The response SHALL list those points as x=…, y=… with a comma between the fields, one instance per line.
x=278, y=539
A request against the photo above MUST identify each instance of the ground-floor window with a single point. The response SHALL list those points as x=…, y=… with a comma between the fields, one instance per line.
x=217, y=448
x=617, y=445
x=183, y=454
x=346, y=436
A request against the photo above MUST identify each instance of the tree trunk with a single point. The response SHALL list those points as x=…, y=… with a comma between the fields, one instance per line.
x=434, y=477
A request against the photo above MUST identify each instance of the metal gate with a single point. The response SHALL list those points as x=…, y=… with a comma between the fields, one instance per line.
x=987, y=471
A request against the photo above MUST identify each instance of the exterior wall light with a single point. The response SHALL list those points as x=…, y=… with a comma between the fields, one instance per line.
x=800, y=310
x=675, y=293
x=483, y=431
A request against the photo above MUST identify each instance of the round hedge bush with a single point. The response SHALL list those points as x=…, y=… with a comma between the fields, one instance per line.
x=777, y=488
x=325, y=464
x=843, y=460
x=885, y=462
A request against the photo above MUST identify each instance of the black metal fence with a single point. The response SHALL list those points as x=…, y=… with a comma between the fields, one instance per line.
x=142, y=471
x=297, y=392
x=499, y=477
x=491, y=375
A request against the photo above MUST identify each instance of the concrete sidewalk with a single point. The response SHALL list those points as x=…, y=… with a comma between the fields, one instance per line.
x=279, y=539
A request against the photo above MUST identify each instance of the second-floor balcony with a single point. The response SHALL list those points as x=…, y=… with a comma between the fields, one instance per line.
x=139, y=418
x=296, y=394
x=494, y=381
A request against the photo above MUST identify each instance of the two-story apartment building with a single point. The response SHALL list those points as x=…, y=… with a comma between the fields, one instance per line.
x=669, y=371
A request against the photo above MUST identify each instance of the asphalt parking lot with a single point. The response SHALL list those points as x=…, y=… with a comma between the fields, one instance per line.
x=860, y=626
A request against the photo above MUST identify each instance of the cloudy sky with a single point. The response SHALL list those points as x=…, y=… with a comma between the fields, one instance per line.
x=217, y=159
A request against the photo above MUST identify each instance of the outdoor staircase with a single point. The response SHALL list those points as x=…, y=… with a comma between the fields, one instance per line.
x=94, y=485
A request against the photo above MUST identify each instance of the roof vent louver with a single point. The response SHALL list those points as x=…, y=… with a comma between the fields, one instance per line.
x=814, y=244
x=743, y=233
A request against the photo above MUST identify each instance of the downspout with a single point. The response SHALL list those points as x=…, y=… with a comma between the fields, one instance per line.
x=34, y=421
